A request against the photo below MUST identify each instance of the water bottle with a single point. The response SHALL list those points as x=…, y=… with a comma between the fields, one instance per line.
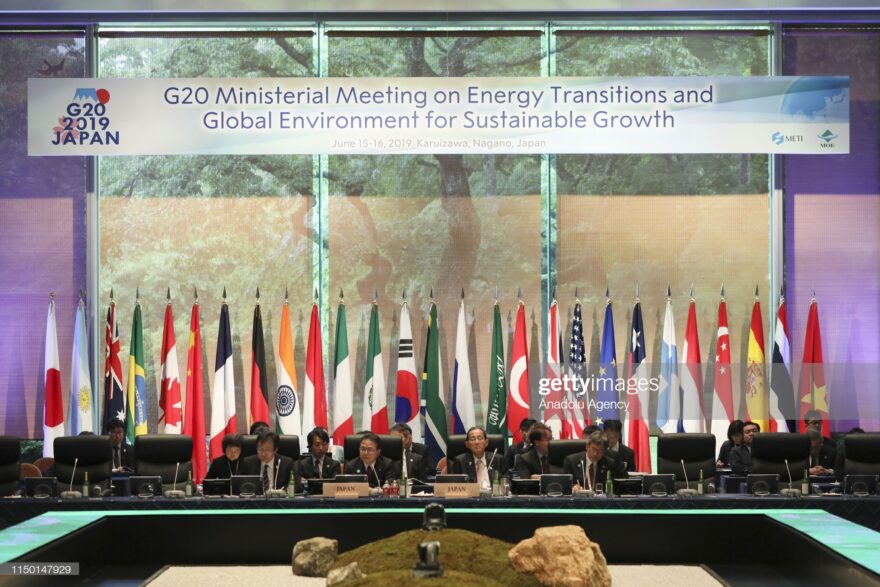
x=700, y=484
x=496, y=484
x=291, y=486
x=805, y=483
x=386, y=489
x=609, y=485
x=85, y=488
x=188, y=489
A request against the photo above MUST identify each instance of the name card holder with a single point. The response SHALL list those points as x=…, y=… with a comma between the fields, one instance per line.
x=346, y=490
x=456, y=490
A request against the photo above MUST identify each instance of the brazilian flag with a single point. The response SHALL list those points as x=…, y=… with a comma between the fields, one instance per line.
x=136, y=392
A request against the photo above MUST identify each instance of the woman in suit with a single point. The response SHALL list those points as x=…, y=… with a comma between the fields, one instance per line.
x=734, y=439
x=227, y=465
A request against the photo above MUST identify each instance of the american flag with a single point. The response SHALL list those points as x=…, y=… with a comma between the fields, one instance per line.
x=577, y=363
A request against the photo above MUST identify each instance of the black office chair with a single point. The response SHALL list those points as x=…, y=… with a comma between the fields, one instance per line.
x=10, y=469
x=248, y=445
x=770, y=450
x=862, y=454
x=392, y=446
x=697, y=450
x=91, y=455
x=456, y=446
x=288, y=445
x=160, y=454
x=559, y=449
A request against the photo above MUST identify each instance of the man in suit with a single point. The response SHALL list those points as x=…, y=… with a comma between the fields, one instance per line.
x=813, y=421
x=318, y=464
x=275, y=470
x=822, y=456
x=371, y=463
x=121, y=453
x=590, y=468
x=518, y=448
x=427, y=465
x=617, y=449
x=229, y=463
x=535, y=462
x=741, y=456
x=416, y=466
x=475, y=463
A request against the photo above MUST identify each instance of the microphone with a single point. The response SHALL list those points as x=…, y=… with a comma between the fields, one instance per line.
x=789, y=491
x=272, y=492
x=589, y=490
x=686, y=491
x=174, y=492
x=494, y=452
x=71, y=493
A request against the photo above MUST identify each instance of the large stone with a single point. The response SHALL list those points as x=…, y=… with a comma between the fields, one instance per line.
x=350, y=572
x=314, y=557
x=561, y=556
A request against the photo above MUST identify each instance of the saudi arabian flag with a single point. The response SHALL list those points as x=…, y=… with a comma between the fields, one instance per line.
x=136, y=393
x=432, y=391
x=496, y=416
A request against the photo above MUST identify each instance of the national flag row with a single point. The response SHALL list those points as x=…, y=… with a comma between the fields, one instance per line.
x=679, y=400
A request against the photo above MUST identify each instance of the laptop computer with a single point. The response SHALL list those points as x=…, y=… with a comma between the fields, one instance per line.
x=763, y=484
x=457, y=478
x=658, y=485
x=246, y=485
x=145, y=486
x=353, y=478
x=860, y=485
x=215, y=487
x=41, y=487
x=555, y=485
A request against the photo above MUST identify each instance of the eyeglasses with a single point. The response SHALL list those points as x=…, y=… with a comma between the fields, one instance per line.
x=367, y=449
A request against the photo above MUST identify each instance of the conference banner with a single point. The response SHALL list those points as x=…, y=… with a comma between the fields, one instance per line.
x=262, y=116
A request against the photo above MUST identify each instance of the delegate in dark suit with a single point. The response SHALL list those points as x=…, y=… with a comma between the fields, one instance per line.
x=385, y=470
x=122, y=455
x=464, y=464
x=415, y=466
x=625, y=455
x=283, y=468
x=513, y=451
x=741, y=459
x=529, y=463
x=308, y=468
x=576, y=466
x=223, y=468
x=429, y=467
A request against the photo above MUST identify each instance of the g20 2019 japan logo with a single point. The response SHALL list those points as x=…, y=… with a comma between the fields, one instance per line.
x=85, y=120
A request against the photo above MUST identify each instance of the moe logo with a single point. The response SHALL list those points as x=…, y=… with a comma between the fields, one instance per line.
x=828, y=136
x=778, y=138
x=85, y=120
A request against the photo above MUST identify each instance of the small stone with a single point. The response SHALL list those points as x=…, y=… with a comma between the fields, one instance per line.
x=314, y=557
x=350, y=572
x=561, y=556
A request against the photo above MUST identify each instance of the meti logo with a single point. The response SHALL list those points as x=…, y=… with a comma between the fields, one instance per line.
x=85, y=121
x=778, y=138
x=828, y=138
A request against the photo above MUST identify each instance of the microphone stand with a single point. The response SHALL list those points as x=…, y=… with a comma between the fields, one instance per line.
x=71, y=493
x=174, y=492
x=686, y=491
x=789, y=491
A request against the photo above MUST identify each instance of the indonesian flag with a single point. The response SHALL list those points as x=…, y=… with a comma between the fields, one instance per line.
x=375, y=409
x=462, y=393
x=813, y=393
x=315, y=396
x=169, y=395
x=637, y=435
x=554, y=414
x=223, y=419
x=406, y=405
x=259, y=385
x=518, y=390
x=693, y=417
x=722, y=400
x=194, y=415
x=756, y=388
x=781, y=389
x=53, y=412
x=343, y=405
x=288, y=417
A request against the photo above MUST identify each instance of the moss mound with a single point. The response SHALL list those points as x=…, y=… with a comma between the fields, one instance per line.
x=467, y=559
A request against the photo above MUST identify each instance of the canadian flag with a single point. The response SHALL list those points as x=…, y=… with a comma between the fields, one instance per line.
x=53, y=412
x=170, y=412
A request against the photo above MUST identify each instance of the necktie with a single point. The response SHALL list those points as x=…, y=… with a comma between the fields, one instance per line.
x=117, y=460
x=481, y=472
x=372, y=477
x=265, y=477
x=319, y=468
x=545, y=467
x=592, y=473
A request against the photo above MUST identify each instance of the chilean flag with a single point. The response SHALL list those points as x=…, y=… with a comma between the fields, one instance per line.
x=406, y=395
x=53, y=412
